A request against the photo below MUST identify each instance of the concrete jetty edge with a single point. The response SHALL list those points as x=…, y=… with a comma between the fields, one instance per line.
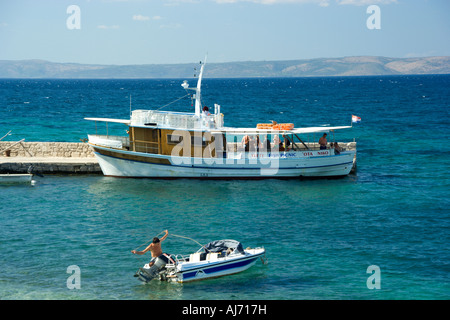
x=48, y=158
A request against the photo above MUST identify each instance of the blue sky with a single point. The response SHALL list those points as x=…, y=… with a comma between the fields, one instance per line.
x=183, y=31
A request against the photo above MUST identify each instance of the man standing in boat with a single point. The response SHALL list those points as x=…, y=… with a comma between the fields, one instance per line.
x=323, y=142
x=154, y=248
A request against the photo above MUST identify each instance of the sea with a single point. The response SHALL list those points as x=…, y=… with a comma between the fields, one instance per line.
x=379, y=234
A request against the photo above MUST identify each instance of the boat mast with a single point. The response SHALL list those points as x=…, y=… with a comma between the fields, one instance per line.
x=198, y=102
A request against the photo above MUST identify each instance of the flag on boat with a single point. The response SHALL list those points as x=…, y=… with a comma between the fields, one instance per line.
x=355, y=118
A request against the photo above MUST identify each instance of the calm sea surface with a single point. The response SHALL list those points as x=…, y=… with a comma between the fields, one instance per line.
x=321, y=236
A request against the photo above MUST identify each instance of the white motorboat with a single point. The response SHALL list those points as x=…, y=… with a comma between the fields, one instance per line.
x=166, y=144
x=16, y=178
x=217, y=258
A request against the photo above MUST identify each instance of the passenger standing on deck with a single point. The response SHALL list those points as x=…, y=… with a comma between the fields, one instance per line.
x=323, y=142
x=206, y=111
x=266, y=146
x=154, y=248
x=286, y=142
x=254, y=144
x=246, y=143
x=277, y=143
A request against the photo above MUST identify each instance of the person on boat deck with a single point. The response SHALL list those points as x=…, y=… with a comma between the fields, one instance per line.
x=254, y=143
x=277, y=142
x=323, y=142
x=246, y=143
x=154, y=248
x=337, y=148
x=206, y=111
x=266, y=145
x=286, y=142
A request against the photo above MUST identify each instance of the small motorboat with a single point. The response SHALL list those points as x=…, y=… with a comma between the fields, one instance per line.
x=12, y=178
x=215, y=259
x=16, y=178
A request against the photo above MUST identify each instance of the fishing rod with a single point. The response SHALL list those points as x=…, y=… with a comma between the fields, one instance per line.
x=201, y=245
x=175, y=235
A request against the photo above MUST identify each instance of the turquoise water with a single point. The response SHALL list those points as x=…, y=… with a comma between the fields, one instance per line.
x=320, y=235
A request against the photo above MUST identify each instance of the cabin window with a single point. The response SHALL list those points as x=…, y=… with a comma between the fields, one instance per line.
x=145, y=140
x=196, y=141
x=174, y=139
x=145, y=135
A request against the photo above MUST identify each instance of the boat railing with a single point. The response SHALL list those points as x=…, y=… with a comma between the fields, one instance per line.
x=297, y=146
x=146, y=147
x=179, y=120
x=314, y=146
x=180, y=258
x=110, y=141
x=203, y=256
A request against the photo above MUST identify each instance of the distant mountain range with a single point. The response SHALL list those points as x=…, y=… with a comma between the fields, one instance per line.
x=346, y=66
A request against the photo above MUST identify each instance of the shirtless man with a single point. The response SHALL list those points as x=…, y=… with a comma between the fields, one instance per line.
x=154, y=248
x=323, y=142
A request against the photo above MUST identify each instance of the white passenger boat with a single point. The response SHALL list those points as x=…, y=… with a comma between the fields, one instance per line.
x=217, y=258
x=165, y=144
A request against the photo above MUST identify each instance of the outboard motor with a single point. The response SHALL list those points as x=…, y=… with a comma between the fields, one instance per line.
x=147, y=275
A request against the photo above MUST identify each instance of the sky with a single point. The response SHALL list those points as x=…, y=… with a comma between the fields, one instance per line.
x=124, y=32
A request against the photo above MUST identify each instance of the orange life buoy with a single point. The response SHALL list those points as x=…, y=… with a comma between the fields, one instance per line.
x=283, y=126
x=287, y=126
x=264, y=126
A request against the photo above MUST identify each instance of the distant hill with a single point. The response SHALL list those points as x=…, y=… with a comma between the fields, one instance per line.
x=347, y=66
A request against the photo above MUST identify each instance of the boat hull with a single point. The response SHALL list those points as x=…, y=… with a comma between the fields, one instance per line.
x=121, y=163
x=16, y=178
x=187, y=271
x=218, y=269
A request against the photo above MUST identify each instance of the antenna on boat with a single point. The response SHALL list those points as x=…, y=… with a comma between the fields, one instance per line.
x=198, y=102
x=130, y=105
x=197, y=96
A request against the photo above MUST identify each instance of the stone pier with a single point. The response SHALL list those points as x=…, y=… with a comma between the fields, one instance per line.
x=48, y=157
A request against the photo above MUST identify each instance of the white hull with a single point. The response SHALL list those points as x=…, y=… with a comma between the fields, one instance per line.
x=16, y=178
x=186, y=271
x=217, y=269
x=296, y=165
